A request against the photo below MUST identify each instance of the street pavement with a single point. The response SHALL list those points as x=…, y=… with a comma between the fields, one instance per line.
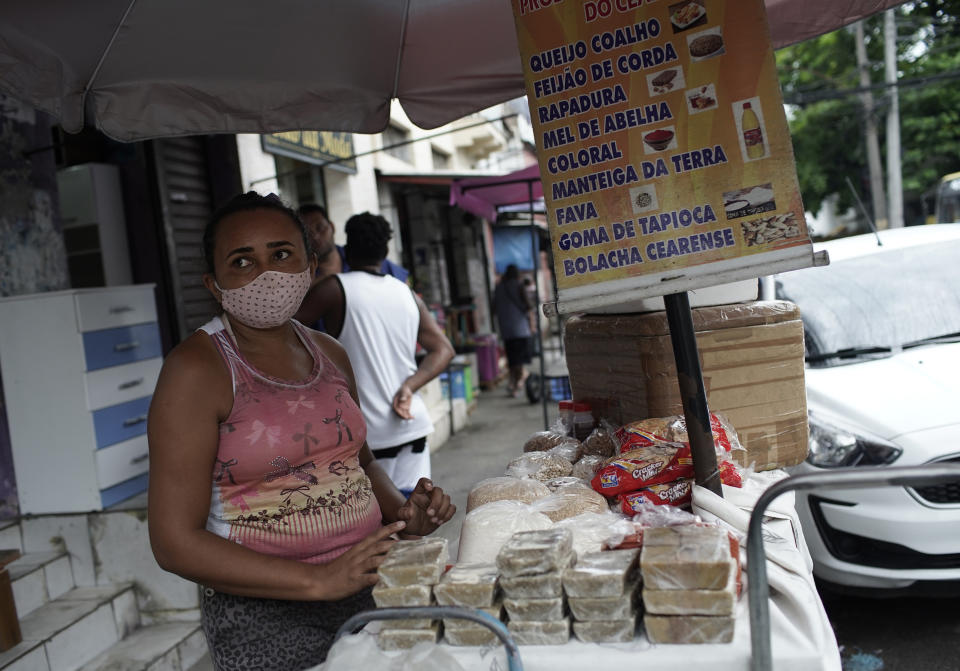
x=873, y=634
x=498, y=428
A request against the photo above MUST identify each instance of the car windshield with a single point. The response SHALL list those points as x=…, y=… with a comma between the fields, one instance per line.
x=874, y=304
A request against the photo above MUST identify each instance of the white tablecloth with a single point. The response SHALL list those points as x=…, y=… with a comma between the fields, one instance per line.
x=802, y=639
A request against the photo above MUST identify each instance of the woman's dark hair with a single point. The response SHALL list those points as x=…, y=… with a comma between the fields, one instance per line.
x=512, y=272
x=367, y=238
x=246, y=202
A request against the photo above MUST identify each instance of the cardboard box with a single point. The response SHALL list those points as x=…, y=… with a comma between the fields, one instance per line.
x=751, y=355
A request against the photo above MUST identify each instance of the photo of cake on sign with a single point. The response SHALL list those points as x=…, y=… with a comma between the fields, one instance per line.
x=687, y=15
x=701, y=99
x=705, y=44
x=660, y=139
x=665, y=81
x=644, y=198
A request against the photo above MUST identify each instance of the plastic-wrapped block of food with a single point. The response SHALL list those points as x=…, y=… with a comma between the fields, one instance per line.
x=468, y=585
x=539, y=586
x=537, y=610
x=402, y=639
x=688, y=628
x=487, y=528
x=399, y=597
x=569, y=501
x=411, y=623
x=479, y=635
x=505, y=488
x=590, y=608
x=419, y=562
x=539, y=466
x=601, y=574
x=687, y=566
x=692, y=601
x=686, y=534
x=538, y=551
x=606, y=631
x=449, y=623
x=556, y=632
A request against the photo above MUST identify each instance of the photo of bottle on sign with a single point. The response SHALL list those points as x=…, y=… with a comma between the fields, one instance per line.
x=753, y=138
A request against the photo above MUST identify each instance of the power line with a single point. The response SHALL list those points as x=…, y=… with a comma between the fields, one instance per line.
x=805, y=98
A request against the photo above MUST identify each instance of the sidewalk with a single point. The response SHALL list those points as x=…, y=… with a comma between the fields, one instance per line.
x=497, y=431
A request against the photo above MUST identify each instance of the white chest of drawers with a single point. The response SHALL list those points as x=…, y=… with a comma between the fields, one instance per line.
x=79, y=368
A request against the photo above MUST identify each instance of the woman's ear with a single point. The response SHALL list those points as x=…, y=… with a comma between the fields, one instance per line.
x=210, y=282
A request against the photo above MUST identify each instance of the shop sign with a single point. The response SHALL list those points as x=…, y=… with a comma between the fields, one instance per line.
x=320, y=147
x=664, y=148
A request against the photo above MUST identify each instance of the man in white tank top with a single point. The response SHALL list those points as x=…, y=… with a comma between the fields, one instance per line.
x=380, y=321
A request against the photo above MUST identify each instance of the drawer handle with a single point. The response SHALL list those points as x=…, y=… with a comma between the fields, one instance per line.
x=130, y=384
x=140, y=459
x=126, y=346
x=133, y=421
x=119, y=309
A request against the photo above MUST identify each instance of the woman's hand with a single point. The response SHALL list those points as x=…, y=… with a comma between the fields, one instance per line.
x=356, y=569
x=426, y=509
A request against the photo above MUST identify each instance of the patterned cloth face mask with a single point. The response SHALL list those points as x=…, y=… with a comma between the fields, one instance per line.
x=269, y=300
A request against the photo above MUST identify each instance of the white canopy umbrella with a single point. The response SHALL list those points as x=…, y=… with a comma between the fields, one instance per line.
x=150, y=68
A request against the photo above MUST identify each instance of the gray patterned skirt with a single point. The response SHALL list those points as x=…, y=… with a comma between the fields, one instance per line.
x=247, y=633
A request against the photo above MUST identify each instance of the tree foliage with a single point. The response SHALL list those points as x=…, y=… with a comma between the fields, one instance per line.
x=819, y=79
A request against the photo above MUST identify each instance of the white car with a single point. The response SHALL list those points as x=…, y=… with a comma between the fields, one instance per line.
x=882, y=329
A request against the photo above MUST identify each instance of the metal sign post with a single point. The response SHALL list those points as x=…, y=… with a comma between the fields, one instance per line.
x=693, y=393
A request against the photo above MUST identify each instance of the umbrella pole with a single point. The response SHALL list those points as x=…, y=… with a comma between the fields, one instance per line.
x=536, y=311
x=692, y=391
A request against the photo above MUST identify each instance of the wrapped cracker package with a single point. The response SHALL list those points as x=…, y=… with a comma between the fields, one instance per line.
x=403, y=639
x=505, y=488
x=417, y=562
x=401, y=597
x=535, y=610
x=688, y=557
x=602, y=574
x=606, y=631
x=469, y=585
x=687, y=629
x=532, y=552
x=556, y=632
x=486, y=528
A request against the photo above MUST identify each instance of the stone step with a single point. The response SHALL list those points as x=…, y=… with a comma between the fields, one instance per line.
x=172, y=646
x=69, y=631
x=38, y=578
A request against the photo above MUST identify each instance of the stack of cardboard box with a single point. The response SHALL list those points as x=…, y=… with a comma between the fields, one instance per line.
x=751, y=355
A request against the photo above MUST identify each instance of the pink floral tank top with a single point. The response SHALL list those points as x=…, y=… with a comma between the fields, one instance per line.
x=287, y=479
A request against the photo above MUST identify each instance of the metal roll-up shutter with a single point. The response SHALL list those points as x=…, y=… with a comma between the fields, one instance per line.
x=186, y=199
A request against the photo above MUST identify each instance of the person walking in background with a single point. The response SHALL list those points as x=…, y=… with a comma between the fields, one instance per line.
x=513, y=307
x=380, y=321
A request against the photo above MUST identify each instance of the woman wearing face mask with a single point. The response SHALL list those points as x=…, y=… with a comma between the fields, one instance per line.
x=262, y=488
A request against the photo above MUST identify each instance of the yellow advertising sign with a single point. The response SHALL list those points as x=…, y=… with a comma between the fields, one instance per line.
x=664, y=149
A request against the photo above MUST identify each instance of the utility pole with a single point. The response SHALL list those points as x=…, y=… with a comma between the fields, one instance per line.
x=894, y=176
x=877, y=196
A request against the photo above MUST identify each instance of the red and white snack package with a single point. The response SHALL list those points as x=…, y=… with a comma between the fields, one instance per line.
x=654, y=465
x=678, y=493
x=673, y=429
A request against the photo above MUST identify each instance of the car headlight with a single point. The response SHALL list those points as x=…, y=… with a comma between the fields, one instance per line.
x=832, y=447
